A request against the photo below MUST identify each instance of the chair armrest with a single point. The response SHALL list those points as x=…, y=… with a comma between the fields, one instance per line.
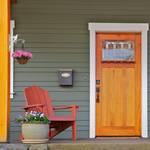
x=28, y=107
x=72, y=107
x=36, y=105
x=65, y=107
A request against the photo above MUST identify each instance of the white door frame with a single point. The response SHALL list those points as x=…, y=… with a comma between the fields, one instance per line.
x=118, y=27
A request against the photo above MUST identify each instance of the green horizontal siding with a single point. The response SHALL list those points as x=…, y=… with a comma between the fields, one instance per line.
x=56, y=32
x=47, y=84
x=48, y=76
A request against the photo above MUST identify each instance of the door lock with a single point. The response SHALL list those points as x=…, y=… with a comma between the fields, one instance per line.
x=97, y=82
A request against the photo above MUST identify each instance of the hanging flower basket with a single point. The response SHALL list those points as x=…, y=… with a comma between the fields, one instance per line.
x=22, y=60
x=21, y=56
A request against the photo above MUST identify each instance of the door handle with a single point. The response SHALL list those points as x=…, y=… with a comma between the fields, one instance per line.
x=97, y=95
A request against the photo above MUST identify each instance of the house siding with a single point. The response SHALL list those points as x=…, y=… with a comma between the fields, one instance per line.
x=56, y=32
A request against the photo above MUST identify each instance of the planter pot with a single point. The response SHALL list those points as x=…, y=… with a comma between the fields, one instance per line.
x=35, y=133
x=22, y=61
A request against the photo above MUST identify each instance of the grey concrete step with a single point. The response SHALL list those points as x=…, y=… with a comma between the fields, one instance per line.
x=132, y=144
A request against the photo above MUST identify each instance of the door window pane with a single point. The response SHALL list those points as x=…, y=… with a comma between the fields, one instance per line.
x=118, y=50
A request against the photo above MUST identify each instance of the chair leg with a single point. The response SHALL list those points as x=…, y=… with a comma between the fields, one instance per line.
x=74, y=131
x=21, y=136
x=58, y=126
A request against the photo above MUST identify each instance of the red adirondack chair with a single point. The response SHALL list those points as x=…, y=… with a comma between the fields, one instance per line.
x=38, y=99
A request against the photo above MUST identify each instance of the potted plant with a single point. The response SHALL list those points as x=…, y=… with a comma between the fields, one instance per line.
x=35, y=127
x=22, y=56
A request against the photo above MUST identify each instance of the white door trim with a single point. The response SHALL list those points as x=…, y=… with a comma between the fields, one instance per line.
x=118, y=27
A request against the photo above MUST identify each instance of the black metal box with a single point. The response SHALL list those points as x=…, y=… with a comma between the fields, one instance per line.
x=65, y=77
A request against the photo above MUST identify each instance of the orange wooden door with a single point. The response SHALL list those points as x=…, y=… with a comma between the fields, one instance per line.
x=118, y=85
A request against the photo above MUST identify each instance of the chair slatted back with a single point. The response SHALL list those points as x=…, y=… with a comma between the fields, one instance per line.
x=36, y=95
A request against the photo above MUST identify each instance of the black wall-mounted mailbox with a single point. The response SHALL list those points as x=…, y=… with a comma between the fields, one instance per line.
x=65, y=77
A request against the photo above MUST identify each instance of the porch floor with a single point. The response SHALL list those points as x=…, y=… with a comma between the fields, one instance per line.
x=96, y=144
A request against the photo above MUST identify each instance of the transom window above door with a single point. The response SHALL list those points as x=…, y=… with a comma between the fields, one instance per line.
x=118, y=50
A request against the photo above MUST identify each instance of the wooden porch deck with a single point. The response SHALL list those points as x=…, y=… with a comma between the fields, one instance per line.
x=96, y=144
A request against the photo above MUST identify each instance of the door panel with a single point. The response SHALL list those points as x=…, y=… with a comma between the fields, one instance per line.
x=118, y=109
x=118, y=97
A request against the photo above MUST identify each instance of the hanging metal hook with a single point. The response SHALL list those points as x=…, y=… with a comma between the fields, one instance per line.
x=16, y=40
x=22, y=41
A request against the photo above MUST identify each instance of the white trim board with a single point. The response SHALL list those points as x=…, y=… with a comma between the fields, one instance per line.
x=118, y=27
x=11, y=46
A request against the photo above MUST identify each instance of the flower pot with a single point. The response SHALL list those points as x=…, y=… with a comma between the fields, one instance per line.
x=22, y=60
x=35, y=133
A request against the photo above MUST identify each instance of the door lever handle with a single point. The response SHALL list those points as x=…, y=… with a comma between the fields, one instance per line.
x=97, y=95
x=97, y=90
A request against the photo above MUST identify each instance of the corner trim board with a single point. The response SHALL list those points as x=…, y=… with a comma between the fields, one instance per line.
x=4, y=69
x=12, y=26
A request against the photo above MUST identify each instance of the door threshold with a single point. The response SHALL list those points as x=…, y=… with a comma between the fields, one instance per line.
x=116, y=138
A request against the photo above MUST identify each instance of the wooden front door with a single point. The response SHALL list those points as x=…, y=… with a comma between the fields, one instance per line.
x=118, y=84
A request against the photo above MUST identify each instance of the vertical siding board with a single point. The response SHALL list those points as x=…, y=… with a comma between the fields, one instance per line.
x=57, y=34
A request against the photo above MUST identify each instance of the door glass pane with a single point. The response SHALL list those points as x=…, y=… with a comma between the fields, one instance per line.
x=118, y=50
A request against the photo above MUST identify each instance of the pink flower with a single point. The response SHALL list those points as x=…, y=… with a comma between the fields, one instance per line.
x=29, y=55
x=25, y=54
x=21, y=53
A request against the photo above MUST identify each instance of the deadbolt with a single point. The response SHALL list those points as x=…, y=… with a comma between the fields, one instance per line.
x=97, y=82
